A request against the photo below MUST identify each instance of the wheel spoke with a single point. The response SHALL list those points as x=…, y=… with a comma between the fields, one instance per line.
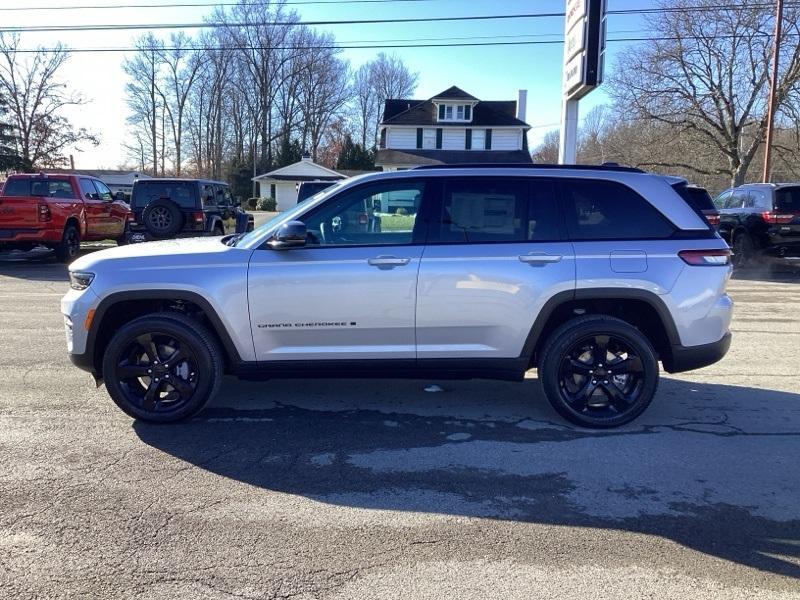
x=129, y=371
x=616, y=396
x=576, y=367
x=184, y=389
x=632, y=364
x=148, y=344
x=151, y=398
x=176, y=357
x=580, y=399
x=600, y=349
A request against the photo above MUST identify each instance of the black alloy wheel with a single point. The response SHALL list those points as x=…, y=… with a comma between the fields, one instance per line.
x=599, y=372
x=70, y=245
x=160, y=219
x=162, y=367
x=743, y=250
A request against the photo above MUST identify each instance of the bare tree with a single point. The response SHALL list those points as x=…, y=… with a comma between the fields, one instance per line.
x=144, y=94
x=547, y=151
x=707, y=75
x=34, y=99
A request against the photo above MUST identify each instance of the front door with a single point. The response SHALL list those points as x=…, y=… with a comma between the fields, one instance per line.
x=351, y=292
x=495, y=255
x=97, y=211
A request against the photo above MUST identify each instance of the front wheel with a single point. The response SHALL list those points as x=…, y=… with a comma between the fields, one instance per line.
x=598, y=372
x=162, y=367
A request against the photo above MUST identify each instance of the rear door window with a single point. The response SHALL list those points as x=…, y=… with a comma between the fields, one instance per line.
x=787, y=199
x=606, y=210
x=760, y=199
x=483, y=210
x=179, y=192
x=51, y=188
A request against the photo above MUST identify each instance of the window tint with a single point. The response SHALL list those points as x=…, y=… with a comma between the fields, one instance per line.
x=738, y=199
x=88, y=190
x=145, y=192
x=105, y=193
x=379, y=214
x=787, y=199
x=51, y=188
x=606, y=210
x=720, y=200
x=17, y=187
x=695, y=197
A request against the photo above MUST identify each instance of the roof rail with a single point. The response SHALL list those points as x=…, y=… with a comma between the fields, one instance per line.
x=603, y=167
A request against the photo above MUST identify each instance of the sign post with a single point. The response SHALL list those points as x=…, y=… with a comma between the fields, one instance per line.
x=584, y=50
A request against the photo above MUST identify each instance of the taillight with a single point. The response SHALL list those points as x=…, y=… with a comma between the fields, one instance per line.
x=706, y=258
x=44, y=213
x=198, y=217
x=777, y=218
x=712, y=220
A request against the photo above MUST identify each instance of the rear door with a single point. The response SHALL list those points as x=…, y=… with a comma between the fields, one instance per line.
x=494, y=256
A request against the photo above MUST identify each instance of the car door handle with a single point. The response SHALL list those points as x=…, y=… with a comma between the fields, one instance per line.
x=388, y=261
x=540, y=259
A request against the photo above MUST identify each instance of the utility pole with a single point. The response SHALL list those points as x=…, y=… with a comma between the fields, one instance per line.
x=773, y=84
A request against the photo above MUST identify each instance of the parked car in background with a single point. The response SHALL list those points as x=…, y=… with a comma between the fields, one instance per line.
x=761, y=221
x=174, y=208
x=592, y=275
x=59, y=211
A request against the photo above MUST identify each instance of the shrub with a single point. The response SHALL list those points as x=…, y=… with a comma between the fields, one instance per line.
x=266, y=204
x=401, y=211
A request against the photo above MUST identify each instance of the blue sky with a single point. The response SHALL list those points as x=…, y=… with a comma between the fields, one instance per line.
x=489, y=72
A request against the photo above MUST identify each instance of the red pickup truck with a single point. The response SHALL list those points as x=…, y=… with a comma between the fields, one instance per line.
x=59, y=211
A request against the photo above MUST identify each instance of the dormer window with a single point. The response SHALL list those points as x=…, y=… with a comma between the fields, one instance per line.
x=455, y=112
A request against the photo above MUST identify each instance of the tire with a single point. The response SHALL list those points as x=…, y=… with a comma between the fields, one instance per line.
x=743, y=250
x=162, y=218
x=570, y=371
x=145, y=348
x=218, y=230
x=70, y=246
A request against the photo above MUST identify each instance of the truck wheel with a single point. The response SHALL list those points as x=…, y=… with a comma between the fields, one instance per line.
x=162, y=367
x=162, y=218
x=598, y=371
x=70, y=246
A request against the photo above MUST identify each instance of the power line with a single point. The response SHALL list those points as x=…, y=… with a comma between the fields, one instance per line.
x=366, y=47
x=216, y=25
x=198, y=5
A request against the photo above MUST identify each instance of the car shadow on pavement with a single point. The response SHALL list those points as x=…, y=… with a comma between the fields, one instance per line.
x=37, y=265
x=712, y=467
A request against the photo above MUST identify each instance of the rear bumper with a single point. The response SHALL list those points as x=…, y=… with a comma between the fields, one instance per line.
x=29, y=235
x=688, y=358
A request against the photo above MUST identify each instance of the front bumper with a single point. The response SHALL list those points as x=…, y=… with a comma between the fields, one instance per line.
x=688, y=358
x=75, y=308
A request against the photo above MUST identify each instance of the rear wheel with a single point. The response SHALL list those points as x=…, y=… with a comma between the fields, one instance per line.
x=70, y=246
x=162, y=367
x=743, y=250
x=598, y=371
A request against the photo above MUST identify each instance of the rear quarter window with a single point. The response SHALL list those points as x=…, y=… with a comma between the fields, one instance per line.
x=181, y=193
x=17, y=187
x=788, y=199
x=606, y=210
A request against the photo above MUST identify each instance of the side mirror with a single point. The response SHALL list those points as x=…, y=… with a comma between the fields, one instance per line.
x=120, y=196
x=289, y=235
x=237, y=201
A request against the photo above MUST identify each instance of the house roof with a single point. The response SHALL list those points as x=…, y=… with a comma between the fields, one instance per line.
x=450, y=157
x=487, y=113
x=454, y=93
x=303, y=170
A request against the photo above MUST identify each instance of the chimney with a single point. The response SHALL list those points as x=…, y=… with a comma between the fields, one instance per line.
x=306, y=157
x=522, y=103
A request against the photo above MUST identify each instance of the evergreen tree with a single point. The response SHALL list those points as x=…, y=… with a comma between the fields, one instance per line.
x=289, y=152
x=355, y=156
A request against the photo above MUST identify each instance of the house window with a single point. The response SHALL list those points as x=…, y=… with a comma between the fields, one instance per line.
x=478, y=139
x=429, y=138
x=448, y=113
x=460, y=112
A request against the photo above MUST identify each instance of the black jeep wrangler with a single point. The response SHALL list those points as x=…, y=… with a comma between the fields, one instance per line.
x=172, y=208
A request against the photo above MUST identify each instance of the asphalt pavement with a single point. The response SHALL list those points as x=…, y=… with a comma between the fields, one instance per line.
x=377, y=489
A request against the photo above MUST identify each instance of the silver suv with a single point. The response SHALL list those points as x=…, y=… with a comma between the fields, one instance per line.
x=589, y=274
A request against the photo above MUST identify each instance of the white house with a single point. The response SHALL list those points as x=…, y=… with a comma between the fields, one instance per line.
x=452, y=127
x=282, y=183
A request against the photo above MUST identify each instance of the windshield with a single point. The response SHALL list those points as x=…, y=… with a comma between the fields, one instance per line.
x=288, y=215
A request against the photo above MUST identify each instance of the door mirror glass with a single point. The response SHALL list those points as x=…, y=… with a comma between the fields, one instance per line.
x=289, y=235
x=120, y=196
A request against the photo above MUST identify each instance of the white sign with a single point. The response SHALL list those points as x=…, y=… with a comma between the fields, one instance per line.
x=576, y=11
x=575, y=41
x=573, y=73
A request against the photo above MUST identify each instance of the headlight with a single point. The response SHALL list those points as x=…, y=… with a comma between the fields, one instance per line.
x=80, y=281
